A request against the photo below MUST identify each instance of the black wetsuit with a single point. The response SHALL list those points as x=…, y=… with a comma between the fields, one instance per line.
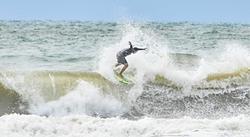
x=122, y=54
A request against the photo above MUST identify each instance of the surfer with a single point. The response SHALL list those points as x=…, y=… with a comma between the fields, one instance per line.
x=120, y=56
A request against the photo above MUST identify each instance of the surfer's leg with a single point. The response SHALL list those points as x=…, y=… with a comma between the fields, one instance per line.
x=122, y=60
x=124, y=68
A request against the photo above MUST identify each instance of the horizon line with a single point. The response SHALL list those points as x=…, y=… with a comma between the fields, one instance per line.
x=126, y=21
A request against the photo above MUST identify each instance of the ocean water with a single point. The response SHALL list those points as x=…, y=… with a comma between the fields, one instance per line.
x=56, y=79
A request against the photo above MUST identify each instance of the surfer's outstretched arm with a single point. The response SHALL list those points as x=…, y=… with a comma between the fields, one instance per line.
x=137, y=49
x=141, y=48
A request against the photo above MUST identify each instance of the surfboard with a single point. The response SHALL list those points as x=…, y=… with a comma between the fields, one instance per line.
x=123, y=79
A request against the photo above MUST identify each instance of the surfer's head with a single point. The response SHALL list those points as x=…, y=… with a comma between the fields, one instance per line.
x=134, y=49
x=131, y=47
x=130, y=44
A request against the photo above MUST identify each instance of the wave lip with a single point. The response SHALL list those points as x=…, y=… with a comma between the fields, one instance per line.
x=26, y=92
x=44, y=92
x=84, y=99
x=10, y=101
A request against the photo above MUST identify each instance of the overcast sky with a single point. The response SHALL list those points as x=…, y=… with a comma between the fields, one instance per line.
x=118, y=10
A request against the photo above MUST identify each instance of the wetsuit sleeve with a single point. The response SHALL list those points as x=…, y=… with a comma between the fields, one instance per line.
x=140, y=49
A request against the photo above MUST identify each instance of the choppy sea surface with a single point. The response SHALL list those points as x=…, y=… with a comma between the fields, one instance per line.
x=57, y=79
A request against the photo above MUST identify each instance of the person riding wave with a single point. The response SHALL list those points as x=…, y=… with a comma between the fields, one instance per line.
x=120, y=56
